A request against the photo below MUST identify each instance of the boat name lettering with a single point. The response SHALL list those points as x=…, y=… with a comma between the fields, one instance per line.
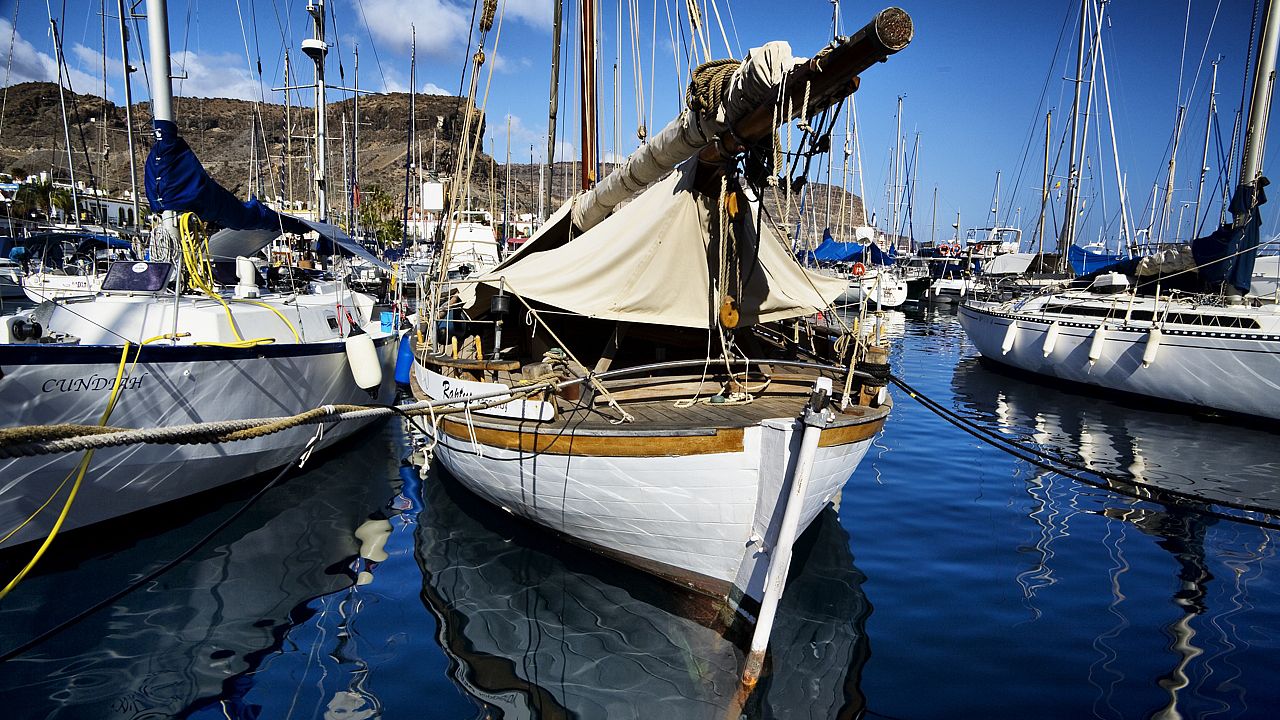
x=93, y=383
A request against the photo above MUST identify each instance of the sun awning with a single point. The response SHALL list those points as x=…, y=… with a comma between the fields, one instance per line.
x=652, y=261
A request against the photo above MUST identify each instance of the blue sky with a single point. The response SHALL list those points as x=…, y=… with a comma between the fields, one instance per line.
x=977, y=79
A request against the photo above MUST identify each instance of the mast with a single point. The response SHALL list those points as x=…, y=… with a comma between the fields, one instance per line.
x=933, y=224
x=897, y=169
x=408, y=151
x=316, y=49
x=1208, y=127
x=995, y=207
x=355, y=146
x=1044, y=187
x=1067, y=239
x=1259, y=108
x=555, y=102
x=128, y=116
x=589, y=99
x=288, y=130
x=66, y=127
x=162, y=110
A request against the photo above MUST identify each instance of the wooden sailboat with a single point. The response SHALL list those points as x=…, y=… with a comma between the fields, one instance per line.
x=698, y=423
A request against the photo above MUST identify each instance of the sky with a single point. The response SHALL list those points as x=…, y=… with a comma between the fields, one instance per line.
x=976, y=83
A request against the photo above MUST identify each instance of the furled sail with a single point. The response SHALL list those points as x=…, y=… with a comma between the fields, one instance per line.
x=1227, y=255
x=175, y=180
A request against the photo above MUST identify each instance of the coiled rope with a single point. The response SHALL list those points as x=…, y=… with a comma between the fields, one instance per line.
x=709, y=84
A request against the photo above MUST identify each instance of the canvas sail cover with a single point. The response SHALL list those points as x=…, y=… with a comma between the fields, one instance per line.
x=175, y=180
x=652, y=261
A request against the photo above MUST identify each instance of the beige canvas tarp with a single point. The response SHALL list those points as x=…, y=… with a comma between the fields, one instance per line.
x=652, y=261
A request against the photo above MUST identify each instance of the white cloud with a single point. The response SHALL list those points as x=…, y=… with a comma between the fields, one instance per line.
x=533, y=12
x=215, y=75
x=32, y=65
x=442, y=25
x=431, y=88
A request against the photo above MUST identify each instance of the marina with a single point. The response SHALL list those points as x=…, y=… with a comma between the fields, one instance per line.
x=982, y=577
x=326, y=398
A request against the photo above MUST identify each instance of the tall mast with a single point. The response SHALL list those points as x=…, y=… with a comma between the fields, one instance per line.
x=162, y=110
x=355, y=145
x=288, y=131
x=1044, y=187
x=1067, y=239
x=1260, y=106
x=66, y=127
x=1204, y=158
x=897, y=169
x=555, y=103
x=128, y=115
x=589, y=99
x=316, y=49
x=408, y=151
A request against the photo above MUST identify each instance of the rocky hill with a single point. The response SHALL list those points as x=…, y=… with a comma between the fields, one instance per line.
x=222, y=134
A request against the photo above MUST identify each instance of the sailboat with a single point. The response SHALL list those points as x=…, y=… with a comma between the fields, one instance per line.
x=222, y=345
x=712, y=423
x=1178, y=326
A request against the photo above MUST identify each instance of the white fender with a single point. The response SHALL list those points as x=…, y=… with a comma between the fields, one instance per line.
x=1095, y=345
x=1009, y=336
x=1050, y=338
x=1153, y=347
x=362, y=356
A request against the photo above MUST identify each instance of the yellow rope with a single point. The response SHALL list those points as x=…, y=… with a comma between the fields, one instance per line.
x=195, y=257
x=81, y=469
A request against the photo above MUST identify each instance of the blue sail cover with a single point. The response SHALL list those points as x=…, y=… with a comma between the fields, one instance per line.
x=175, y=180
x=1227, y=255
x=878, y=256
x=1084, y=261
x=832, y=250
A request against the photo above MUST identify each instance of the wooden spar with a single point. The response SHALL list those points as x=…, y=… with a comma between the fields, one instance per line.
x=827, y=78
x=830, y=76
x=555, y=104
x=589, y=101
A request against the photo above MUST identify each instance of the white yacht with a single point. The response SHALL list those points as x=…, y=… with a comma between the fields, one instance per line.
x=1182, y=326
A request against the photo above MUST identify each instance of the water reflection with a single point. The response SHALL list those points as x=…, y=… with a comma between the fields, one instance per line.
x=1162, y=451
x=194, y=636
x=539, y=629
x=1232, y=465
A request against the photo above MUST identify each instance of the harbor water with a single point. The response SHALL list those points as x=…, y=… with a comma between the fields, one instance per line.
x=953, y=580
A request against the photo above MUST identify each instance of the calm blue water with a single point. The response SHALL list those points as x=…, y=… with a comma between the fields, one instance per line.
x=955, y=581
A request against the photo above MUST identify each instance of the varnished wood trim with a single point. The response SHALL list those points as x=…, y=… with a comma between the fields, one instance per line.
x=472, y=363
x=849, y=433
x=564, y=442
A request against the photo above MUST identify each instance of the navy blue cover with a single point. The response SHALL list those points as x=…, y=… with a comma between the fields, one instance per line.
x=175, y=180
x=1227, y=255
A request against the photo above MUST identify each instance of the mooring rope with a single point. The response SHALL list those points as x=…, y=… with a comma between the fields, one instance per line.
x=1130, y=485
x=32, y=440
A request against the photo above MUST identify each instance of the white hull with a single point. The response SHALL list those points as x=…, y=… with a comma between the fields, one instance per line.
x=884, y=289
x=1222, y=368
x=40, y=286
x=700, y=518
x=10, y=282
x=170, y=385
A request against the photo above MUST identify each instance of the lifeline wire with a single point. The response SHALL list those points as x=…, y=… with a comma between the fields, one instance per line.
x=1065, y=467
